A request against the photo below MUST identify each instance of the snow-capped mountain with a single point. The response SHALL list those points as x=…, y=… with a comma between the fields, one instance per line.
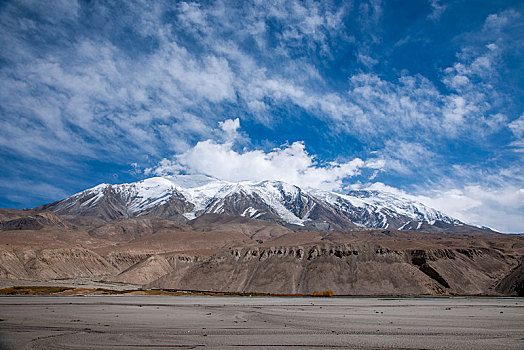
x=185, y=197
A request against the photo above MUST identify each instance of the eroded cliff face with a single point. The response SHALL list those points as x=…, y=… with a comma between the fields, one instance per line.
x=46, y=264
x=344, y=269
x=155, y=267
x=11, y=266
x=513, y=283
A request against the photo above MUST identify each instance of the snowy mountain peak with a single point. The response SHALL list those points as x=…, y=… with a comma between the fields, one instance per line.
x=184, y=197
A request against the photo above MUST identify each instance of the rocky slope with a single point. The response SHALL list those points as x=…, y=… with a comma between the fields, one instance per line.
x=345, y=269
x=186, y=197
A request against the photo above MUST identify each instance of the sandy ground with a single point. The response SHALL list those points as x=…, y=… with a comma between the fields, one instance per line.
x=192, y=322
x=68, y=282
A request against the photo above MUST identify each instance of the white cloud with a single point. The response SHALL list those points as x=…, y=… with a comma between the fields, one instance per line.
x=497, y=21
x=119, y=104
x=311, y=24
x=498, y=207
x=411, y=103
x=437, y=9
x=288, y=163
x=473, y=104
x=404, y=157
x=230, y=127
x=517, y=126
x=455, y=112
x=367, y=60
x=191, y=15
x=495, y=121
x=492, y=46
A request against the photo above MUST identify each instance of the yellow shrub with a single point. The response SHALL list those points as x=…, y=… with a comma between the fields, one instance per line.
x=327, y=293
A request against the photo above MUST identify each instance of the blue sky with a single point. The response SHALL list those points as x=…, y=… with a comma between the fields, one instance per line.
x=423, y=98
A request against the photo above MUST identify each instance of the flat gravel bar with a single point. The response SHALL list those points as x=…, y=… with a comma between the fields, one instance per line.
x=193, y=322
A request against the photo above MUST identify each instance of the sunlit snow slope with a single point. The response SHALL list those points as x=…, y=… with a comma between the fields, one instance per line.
x=185, y=197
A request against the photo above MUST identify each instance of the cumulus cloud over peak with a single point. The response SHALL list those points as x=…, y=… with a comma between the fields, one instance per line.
x=289, y=163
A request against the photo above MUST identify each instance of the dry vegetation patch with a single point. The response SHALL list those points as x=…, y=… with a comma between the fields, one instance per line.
x=36, y=290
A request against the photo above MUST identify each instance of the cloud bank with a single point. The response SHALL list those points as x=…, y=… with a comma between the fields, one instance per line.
x=497, y=207
x=288, y=163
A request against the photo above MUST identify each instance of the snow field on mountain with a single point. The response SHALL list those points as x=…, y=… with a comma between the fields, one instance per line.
x=208, y=195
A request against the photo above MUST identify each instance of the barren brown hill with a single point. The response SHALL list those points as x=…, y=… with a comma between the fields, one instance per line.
x=129, y=229
x=28, y=220
x=227, y=253
x=253, y=228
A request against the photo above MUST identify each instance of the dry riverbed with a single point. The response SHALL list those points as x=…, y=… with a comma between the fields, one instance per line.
x=192, y=322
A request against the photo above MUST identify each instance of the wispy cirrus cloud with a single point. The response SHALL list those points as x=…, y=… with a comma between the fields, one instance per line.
x=120, y=102
x=517, y=127
x=437, y=9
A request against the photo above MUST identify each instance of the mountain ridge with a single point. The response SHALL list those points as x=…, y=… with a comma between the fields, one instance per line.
x=186, y=197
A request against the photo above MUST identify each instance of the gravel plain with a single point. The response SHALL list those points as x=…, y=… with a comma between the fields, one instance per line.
x=193, y=322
